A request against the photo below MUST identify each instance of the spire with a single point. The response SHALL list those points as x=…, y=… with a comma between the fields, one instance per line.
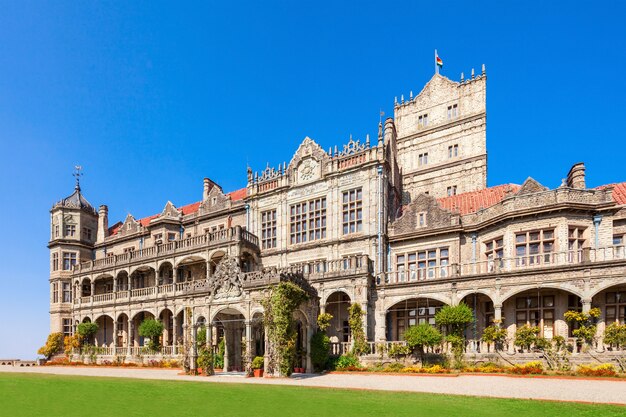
x=77, y=174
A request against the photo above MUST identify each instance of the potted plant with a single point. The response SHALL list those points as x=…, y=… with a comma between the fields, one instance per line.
x=257, y=366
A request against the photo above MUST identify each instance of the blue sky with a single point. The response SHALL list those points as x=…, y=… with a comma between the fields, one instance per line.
x=150, y=97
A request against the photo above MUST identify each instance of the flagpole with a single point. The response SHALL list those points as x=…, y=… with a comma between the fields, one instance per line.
x=436, y=66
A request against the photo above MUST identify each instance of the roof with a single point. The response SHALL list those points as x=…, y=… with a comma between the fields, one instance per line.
x=471, y=202
x=76, y=200
x=188, y=209
x=619, y=191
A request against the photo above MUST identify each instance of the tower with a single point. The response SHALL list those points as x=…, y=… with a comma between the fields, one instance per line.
x=73, y=232
x=441, y=137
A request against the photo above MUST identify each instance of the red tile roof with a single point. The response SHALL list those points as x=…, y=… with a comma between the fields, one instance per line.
x=238, y=194
x=473, y=201
x=619, y=191
x=188, y=209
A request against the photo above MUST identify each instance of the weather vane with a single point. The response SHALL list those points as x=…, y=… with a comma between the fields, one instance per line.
x=77, y=174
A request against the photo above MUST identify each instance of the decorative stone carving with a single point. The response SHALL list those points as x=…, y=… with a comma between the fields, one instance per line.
x=226, y=281
x=308, y=170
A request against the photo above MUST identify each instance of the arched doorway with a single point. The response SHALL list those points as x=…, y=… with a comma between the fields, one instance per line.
x=104, y=335
x=136, y=338
x=337, y=305
x=142, y=277
x=540, y=307
x=121, y=337
x=167, y=318
x=612, y=303
x=410, y=312
x=229, y=324
x=191, y=269
x=166, y=274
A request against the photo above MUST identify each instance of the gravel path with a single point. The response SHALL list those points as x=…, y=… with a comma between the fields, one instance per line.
x=595, y=391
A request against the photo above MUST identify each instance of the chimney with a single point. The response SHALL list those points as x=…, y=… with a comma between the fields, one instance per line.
x=576, y=176
x=207, y=188
x=103, y=224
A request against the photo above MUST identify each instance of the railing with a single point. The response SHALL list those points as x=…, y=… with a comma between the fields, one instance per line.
x=103, y=297
x=499, y=265
x=142, y=292
x=236, y=233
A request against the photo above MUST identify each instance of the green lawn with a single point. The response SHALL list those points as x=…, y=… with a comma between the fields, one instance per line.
x=51, y=395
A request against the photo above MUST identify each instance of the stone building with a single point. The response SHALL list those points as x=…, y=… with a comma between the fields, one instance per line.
x=402, y=224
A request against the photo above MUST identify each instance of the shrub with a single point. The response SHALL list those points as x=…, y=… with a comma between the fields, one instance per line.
x=615, y=335
x=586, y=331
x=526, y=336
x=605, y=369
x=205, y=360
x=320, y=344
x=494, y=334
x=394, y=367
x=347, y=361
x=396, y=350
x=87, y=330
x=218, y=358
x=258, y=362
x=152, y=329
x=434, y=369
x=52, y=346
x=72, y=342
x=534, y=367
x=421, y=336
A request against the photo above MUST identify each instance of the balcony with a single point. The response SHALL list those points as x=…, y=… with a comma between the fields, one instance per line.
x=584, y=256
x=351, y=266
x=177, y=247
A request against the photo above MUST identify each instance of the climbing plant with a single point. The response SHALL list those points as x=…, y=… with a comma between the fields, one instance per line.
x=280, y=303
x=320, y=343
x=355, y=321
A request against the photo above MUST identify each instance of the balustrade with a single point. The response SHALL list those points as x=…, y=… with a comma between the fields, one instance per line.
x=500, y=265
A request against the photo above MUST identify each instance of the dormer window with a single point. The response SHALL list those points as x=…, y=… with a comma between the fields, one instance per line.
x=421, y=219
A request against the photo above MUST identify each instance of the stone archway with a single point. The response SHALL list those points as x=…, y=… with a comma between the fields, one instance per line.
x=229, y=324
x=337, y=305
x=410, y=312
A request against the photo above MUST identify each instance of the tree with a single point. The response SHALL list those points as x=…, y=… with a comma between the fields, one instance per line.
x=454, y=319
x=52, y=346
x=87, y=330
x=526, y=336
x=152, y=329
x=494, y=334
x=421, y=336
x=586, y=331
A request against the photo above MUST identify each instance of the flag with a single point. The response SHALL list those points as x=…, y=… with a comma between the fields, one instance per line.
x=438, y=61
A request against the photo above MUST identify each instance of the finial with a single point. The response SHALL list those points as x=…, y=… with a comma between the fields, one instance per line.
x=462, y=77
x=411, y=95
x=382, y=113
x=284, y=166
x=330, y=150
x=472, y=73
x=336, y=150
x=367, y=140
x=483, y=69
x=395, y=100
x=350, y=137
x=77, y=174
x=402, y=98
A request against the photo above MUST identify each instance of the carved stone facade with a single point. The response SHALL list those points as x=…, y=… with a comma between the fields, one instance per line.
x=402, y=226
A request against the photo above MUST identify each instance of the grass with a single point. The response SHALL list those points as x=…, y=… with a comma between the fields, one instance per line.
x=53, y=395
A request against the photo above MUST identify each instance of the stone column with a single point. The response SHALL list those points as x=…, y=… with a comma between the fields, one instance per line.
x=194, y=349
x=174, y=334
x=93, y=289
x=497, y=314
x=116, y=329
x=248, y=364
x=586, y=305
x=309, y=336
x=227, y=341
x=130, y=338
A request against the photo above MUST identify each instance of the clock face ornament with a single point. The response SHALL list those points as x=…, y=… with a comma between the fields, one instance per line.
x=307, y=170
